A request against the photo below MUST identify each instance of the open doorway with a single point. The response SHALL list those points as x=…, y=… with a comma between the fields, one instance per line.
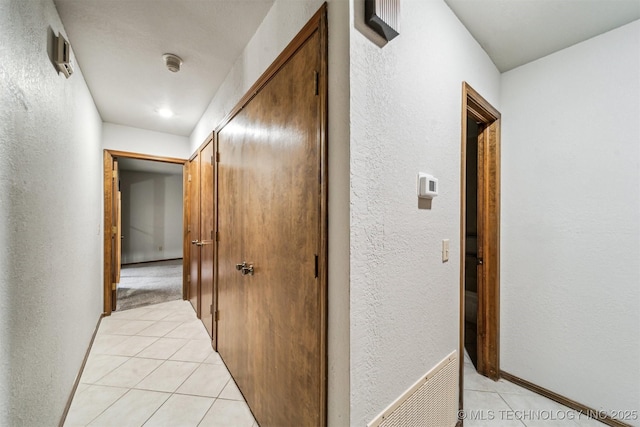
x=144, y=230
x=480, y=235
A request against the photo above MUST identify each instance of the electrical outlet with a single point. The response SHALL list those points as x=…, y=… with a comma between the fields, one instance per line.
x=445, y=250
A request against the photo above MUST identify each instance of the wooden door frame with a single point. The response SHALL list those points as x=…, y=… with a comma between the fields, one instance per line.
x=476, y=107
x=108, y=157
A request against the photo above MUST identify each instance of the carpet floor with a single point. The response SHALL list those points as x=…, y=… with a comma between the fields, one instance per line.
x=149, y=283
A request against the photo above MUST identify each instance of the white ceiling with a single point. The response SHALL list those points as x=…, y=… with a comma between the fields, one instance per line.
x=149, y=166
x=515, y=32
x=119, y=44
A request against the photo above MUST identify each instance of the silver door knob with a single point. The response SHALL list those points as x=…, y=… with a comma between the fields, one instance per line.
x=247, y=270
x=194, y=242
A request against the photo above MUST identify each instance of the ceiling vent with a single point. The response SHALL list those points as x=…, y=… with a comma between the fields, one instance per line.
x=173, y=62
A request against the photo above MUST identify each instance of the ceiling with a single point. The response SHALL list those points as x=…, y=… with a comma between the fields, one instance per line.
x=515, y=32
x=149, y=166
x=119, y=44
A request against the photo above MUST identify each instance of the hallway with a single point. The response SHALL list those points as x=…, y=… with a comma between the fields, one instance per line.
x=154, y=366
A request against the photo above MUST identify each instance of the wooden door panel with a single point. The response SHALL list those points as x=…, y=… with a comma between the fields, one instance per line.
x=119, y=237
x=270, y=329
x=206, y=237
x=115, y=184
x=232, y=304
x=194, y=234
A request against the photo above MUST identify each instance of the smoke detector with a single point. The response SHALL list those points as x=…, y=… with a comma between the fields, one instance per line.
x=173, y=62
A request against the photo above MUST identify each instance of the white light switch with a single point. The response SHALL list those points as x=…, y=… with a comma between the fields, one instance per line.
x=445, y=250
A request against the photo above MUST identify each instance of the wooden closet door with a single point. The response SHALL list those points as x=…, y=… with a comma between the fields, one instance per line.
x=206, y=237
x=194, y=233
x=271, y=322
x=232, y=293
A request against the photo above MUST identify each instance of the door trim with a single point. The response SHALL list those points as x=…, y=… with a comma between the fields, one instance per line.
x=108, y=157
x=476, y=107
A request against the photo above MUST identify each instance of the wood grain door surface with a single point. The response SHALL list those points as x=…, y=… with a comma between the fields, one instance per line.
x=269, y=208
x=206, y=237
x=194, y=234
x=115, y=234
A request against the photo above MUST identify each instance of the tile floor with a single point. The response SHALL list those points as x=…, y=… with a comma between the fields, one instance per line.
x=501, y=403
x=154, y=366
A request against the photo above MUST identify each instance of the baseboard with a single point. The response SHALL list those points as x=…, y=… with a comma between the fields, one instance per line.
x=595, y=414
x=149, y=262
x=77, y=381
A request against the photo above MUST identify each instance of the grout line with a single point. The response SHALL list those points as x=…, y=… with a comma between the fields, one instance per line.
x=191, y=337
x=109, y=406
x=109, y=355
x=207, y=411
x=509, y=406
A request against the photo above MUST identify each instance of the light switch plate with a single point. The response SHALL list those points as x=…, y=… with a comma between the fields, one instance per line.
x=445, y=250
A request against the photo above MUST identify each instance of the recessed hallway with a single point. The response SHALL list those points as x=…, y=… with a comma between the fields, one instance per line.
x=154, y=366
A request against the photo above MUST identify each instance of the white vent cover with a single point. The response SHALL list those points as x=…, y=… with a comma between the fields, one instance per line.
x=430, y=402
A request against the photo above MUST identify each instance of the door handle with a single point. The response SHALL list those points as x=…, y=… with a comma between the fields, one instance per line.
x=194, y=242
x=245, y=269
x=480, y=261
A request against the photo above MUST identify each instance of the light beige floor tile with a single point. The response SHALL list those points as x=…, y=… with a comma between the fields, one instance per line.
x=231, y=392
x=206, y=380
x=168, y=377
x=90, y=402
x=131, y=346
x=159, y=329
x=583, y=420
x=193, y=329
x=123, y=326
x=156, y=314
x=487, y=409
x=133, y=314
x=81, y=387
x=535, y=410
x=172, y=305
x=228, y=413
x=99, y=365
x=502, y=386
x=214, y=359
x=163, y=348
x=474, y=381
x=104, y=343
x=181, y=316
x=130, y=373
x=194, y=351
x=180, y=410
x=133, y=409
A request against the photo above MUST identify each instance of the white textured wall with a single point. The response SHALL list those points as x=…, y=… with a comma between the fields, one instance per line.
x=50, y=219
x=570, y=297
x=151, y=216
x=142, y=141
x=405, y=119
x=285, y=19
